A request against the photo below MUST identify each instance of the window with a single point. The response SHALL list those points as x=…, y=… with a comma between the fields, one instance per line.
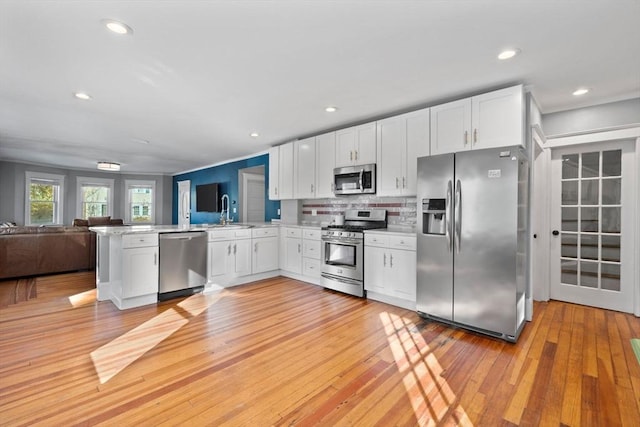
x=95, y=197
x=140, y=202
x=44, y=198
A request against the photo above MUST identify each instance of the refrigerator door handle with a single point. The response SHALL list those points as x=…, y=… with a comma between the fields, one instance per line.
x=449, y=216
x=458, y=220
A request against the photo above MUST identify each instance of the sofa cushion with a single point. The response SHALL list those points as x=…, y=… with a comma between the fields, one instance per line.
x=79, y=222
x=116, y=222
x=99, y=220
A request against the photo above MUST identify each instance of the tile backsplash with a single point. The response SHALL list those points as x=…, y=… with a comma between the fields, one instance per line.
x=400, y=210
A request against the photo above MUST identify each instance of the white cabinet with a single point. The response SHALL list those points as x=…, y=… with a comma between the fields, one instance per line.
x=291, y=250
x=274, y=173
x=228, y=254
x=490, y=120
x=325, y=163
x=265, y=249
x=139, y=265
x=311, y=252
x=305, y=168
x=356, y=145
x=285, y=171
x=400, y=141
x=390, y=266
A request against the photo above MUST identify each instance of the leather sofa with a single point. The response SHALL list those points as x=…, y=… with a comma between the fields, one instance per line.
x=33, y=251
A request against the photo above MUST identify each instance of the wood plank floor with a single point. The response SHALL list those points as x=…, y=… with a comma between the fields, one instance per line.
x=282, y=352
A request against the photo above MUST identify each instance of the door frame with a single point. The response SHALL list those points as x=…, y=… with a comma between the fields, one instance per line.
x=184, y=185
x=540, y=210
x=632, y=132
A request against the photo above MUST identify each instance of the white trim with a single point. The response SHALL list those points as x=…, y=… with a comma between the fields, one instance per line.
x=226, y=162
x=139, y=183
x=539, y=291
x=608, y=135
x=84, y=180
x=29, y=175
x=636, y=296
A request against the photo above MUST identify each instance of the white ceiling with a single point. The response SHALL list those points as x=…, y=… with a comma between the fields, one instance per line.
x=197, y=77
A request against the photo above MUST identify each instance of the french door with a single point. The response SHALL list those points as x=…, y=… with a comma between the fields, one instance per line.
x=592, y=218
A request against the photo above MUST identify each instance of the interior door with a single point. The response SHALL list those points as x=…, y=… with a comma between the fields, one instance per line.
x=592, y=218
x=184, y=202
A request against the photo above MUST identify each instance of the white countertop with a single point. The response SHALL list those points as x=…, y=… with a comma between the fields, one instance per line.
x=137, y=229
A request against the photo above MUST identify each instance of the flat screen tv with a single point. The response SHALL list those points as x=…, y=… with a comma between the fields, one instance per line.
x=207, y=199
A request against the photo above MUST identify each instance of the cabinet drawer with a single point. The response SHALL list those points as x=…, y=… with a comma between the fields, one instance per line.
x=311, y=233
x=311, y=249
x=311, y=267
x=139, y=240
x=221, y=235
x=376, y=240
x=293, y=232
x=242, y=233
x=264, y=232
x=403, y=242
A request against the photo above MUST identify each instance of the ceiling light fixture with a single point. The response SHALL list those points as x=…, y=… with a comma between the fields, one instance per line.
x=508, y=53
x=117, y=27
x=580, y=91
x=254, y=134
x=140, y=141
x=82, y=95
x=109, y=166
x=330, y=109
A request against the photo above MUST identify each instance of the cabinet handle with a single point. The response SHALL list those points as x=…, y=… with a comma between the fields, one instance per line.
x=229, y=249
x=396, y=182
x=466, y=137
x=255, y=247
x=155, y=259
x=356, y=154
x=475, y=136
x=276, y=190
x=312, y=188
x=351, y=155
x=234, y=248
x=298, y=247
x=391, y=260
x=384, y=260
x=404, y=182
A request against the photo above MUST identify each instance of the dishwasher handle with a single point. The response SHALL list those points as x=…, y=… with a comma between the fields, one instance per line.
x=182, y=236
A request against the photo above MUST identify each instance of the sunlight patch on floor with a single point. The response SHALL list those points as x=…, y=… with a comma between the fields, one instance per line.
x=113, y=357
x=432, y=399
x=83, y=298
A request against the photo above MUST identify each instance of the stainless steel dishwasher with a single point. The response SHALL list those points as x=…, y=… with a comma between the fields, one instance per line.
x=183, y=263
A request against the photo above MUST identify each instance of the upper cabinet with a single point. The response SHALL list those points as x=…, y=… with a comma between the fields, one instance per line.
x=356, y=145
x=304, y=168
x=325, y=163
x=400, y=141
x=274, y=173
x=281, y=172
x=490, y=120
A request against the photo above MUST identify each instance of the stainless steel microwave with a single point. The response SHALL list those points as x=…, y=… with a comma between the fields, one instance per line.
x=355, y=179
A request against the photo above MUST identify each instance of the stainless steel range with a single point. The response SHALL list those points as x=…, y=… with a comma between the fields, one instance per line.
x=343, y=250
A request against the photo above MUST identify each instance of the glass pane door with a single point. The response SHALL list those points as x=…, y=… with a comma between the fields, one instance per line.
x=592, y=217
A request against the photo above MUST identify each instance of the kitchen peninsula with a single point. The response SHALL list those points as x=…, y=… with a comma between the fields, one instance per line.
x=128, y=258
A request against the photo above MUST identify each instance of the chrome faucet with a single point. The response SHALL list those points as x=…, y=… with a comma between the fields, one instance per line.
x=224, y=220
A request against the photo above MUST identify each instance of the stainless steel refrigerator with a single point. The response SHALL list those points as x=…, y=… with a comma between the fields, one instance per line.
x=472, y=239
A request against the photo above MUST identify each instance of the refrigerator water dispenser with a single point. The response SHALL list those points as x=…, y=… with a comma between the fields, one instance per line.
x=434, y=216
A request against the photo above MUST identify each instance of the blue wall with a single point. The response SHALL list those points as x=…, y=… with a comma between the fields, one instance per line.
x=227, y=176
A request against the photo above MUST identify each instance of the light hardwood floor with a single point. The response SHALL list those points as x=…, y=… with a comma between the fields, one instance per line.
x=282, y=352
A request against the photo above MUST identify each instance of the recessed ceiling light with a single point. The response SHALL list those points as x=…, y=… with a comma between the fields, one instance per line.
x=117, y=27
x=109, y=166
x=508, y=53
x=580, y=91
x=254, y=134
x=82, y=95
x=140, y=141
x=330, y=109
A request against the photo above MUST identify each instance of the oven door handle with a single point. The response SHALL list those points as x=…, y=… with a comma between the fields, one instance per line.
x=360, y=180
x=343, y=241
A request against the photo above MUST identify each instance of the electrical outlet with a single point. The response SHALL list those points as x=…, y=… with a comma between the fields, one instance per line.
x=235, y=210
x=278, y=211
x=314, y=212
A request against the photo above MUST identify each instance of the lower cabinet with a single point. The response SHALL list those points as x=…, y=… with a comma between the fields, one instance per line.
x=291, y=245
x=265, y=250
x=139, y=271
x=311, y=252
x=300, y=253
x=390, y=267
x=228, y=254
